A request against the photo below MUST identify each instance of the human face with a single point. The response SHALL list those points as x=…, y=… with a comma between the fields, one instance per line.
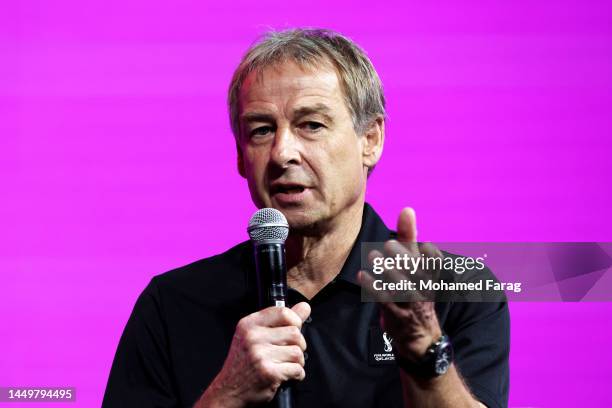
x=298, y=148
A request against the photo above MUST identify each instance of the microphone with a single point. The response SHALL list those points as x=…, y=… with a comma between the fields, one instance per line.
x=268, y=229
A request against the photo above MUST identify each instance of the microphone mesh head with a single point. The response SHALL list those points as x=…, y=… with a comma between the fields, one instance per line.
x=268, y=224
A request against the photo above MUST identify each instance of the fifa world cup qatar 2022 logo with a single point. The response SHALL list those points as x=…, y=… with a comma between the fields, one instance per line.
x=387, y=339
x=380, y=347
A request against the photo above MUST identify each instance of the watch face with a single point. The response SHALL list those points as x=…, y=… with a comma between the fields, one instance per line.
x=442, y=365
x=443, y=359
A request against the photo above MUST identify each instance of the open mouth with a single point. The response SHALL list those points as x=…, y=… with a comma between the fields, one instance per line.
x=288, y=189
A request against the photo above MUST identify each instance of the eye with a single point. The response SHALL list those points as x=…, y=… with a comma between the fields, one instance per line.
x=312, y=126
x=261, y=131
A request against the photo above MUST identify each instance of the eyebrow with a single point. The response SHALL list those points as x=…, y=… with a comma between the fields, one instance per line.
x=256, y=117
x=319, y=108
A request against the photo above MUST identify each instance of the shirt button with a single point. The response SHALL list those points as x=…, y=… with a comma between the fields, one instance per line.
x=308, y=320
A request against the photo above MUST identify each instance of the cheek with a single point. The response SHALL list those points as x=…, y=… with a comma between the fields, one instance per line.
x=347, y=165
x=254, y=164
x=255, y=170
x=350, y=153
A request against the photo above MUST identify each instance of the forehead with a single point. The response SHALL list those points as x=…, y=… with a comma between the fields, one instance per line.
x=286, y=83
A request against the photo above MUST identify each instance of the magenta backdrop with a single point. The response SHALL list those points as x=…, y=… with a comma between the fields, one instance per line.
x=117, y=162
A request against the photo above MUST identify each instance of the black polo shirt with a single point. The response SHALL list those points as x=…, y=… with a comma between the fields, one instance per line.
x=180, y=331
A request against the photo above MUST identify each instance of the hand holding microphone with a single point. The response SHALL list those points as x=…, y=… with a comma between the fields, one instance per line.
x=267, y=349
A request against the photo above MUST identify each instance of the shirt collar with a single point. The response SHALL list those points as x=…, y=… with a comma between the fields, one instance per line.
x=373, y=229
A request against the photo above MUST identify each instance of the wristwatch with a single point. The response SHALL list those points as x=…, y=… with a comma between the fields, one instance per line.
x=435, y=362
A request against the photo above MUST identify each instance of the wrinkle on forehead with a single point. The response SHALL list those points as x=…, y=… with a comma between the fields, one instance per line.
x=327, y=80
x=322, y=64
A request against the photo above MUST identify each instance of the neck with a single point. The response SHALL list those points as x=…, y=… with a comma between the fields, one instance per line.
x=314, y=260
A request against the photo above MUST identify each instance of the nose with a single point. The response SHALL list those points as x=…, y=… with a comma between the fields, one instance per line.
x=285, y=149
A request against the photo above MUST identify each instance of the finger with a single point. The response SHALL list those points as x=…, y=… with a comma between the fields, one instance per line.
x=373, y=255
x=303, y=310
x=435, y=257
x=285, y=354
x=406, y=226
x=376, y=262
x=393, y=247
x=280, y=336
x=275, y=317
x=416, y=266
x=291, y=371
x=430, y=250
x=405, y=269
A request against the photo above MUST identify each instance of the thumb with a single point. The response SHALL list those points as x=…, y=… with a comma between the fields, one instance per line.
x=407, y=229
x=302, y=309
x=406, y=226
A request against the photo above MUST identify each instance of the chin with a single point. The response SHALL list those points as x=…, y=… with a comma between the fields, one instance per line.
x=304, y=222
x=297, y=218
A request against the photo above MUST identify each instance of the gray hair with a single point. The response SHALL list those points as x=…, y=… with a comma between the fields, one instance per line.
x=359, y=81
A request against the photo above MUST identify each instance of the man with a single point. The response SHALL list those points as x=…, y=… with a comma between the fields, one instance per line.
x=307, y=112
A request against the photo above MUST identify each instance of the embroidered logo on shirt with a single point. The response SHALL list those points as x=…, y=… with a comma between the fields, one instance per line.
x=388, y=340
x=380, y=350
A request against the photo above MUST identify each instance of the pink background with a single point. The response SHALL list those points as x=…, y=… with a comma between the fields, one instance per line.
x=117, y=161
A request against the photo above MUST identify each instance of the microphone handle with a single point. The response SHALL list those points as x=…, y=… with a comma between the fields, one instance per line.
x=272, y=281
x=271, y=274
x=283, y=399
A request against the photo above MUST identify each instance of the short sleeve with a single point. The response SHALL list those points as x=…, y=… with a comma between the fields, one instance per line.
x=139, y=376
x=480, y=333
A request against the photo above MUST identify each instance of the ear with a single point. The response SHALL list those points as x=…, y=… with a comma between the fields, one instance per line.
x=373, y=140
x=240, y=161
